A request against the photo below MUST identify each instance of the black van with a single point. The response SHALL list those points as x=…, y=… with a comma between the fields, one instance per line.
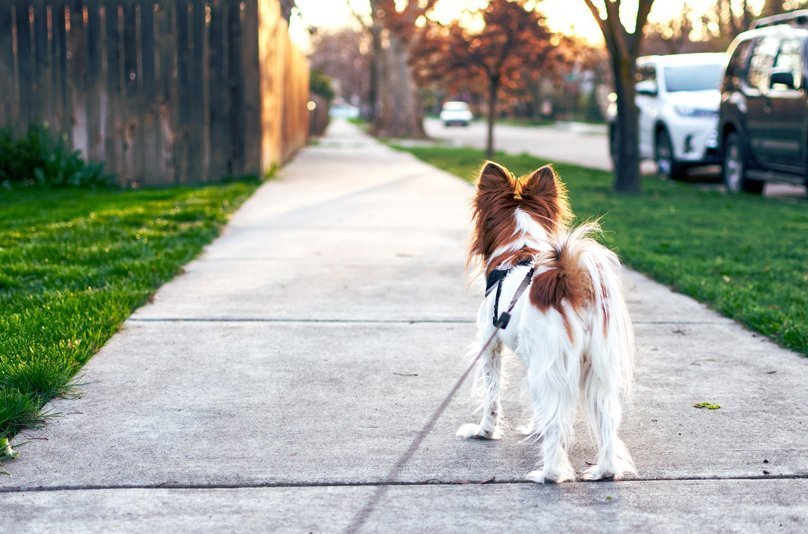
x=763, y=118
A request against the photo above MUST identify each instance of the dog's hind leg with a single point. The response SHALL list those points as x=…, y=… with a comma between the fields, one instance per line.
x=489, y=376
x=604, y=412
x=553, y=384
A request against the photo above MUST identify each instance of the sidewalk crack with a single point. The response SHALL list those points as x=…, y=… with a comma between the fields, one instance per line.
x=374, y=484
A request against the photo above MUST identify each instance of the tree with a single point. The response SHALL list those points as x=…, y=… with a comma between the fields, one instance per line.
x=344, y=55
x=774, y=7
x=673, y=35
x=512, y=44
x=392, y=26
x=727, y=18
x=733, y=18
x=624, y=47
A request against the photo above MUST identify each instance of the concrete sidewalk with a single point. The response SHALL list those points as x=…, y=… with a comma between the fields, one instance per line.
x=276, y=384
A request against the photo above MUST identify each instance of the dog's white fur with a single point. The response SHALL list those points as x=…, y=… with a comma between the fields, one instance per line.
x=593, y=364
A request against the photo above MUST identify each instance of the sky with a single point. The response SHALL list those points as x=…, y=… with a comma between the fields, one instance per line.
x=567, y=16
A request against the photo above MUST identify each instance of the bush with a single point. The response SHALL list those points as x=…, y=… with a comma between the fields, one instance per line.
x=36, y=159
x=320, y=84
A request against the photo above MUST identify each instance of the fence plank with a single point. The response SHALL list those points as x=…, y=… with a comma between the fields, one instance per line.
x=25, y=61
x=77, y=57
x=96, y=94
x=130, y=104
x=113, y=121
x=41, y=80
x=251, y=88
x=195, y=121
x=8, y=100
x=236, y=94
x=166, y=31
x=184, y=111
x=60, y=77
x=152, y=164
x=221, y=163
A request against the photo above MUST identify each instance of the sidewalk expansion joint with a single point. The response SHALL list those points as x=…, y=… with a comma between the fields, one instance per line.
x=374, y=484
x=293, y=320
x=362, y=321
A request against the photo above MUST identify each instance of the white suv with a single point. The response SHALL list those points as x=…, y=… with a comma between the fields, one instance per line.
x=678, y=98
x=455, y=112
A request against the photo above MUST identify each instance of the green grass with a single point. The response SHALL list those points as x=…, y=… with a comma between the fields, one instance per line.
x=74, y=264
x=523, y=121
x=744, y=256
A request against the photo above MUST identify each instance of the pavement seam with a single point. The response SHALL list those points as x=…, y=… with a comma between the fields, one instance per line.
x=359, y=321
x=430, y=482
x=271, y=320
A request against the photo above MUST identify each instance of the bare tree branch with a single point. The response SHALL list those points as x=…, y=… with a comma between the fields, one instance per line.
x=359, y=18
x=643, y=9
x=596, y=14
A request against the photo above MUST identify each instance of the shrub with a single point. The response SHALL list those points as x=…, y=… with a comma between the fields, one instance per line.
x=320, y=84
x=37, y=159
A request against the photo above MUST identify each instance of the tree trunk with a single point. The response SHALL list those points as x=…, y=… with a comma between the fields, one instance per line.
x=400, y=114
x=493, y=87
x=746, y=20
x=772, y=7
x=375, y=70
x=627, y=164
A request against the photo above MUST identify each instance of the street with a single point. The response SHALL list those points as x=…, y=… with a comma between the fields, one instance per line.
x=577, y=143
x=563, y=143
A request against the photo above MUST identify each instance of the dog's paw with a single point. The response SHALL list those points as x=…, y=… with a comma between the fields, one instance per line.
x=554, y=476
x=472, y=431
x=596, y=472
x=610, y=471
x=524, y=430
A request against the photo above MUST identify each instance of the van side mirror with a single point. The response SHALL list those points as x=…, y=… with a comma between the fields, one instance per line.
x=647, y=88
x=781, y=79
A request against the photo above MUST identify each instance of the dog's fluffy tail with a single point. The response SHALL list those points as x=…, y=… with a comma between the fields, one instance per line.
x=583, y=275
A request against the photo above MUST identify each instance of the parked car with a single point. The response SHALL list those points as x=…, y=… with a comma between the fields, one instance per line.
x=763, y=118
x=455, y=112
x=678, y=98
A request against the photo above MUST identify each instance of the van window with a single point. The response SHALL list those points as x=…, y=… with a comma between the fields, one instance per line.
x=736, y=67
x=761, y=63
x=693, y=77
x=645, y=73
x=790, y=58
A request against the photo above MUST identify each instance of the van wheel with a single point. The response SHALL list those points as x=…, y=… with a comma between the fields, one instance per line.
x=666, y=162
x=734, y=168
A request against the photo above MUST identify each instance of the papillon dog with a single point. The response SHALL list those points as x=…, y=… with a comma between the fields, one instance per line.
x=571, y=327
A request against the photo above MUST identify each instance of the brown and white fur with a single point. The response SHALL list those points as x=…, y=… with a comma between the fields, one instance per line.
x=571, y=328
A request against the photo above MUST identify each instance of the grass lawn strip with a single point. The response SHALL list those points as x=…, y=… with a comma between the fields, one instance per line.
x=745, y=256
x=74, y=264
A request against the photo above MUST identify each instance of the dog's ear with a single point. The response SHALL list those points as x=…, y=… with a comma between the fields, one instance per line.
x=543, y=182
x=493, y=209
x=544, y=195
x=494, y=176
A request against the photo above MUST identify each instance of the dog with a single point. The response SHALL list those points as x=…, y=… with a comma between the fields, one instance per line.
x=571, y=328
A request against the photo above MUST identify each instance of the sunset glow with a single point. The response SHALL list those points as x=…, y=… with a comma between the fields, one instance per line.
x=570, y=17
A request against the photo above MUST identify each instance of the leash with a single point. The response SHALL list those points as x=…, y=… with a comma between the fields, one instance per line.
x=362, y=515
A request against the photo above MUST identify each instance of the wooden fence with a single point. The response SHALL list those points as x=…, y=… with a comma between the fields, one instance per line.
x=161, y=91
